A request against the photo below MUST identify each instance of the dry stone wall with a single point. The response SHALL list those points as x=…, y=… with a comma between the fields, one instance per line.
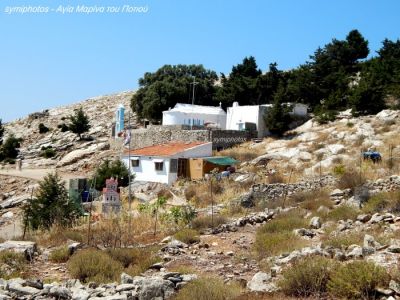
x=155, y=135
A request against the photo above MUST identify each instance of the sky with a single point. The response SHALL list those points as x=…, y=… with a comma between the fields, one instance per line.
x=53, y=58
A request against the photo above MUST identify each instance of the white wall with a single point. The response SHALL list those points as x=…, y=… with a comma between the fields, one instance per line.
x=146, y=170
x=182, y=118
x=246, y=113
x=300, y=110
x=196, y=152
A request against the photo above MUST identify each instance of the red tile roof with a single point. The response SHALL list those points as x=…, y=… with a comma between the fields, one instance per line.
x=165, y=149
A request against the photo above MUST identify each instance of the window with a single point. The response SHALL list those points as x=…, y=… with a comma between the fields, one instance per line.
x=173, y=166
x=159, y=166
x=134, y=163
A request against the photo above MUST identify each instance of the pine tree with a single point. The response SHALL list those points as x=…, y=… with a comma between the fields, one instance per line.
x=277, y=119
x=79, y=122
x=108, y=169
x=1, y=132
x=51, y=206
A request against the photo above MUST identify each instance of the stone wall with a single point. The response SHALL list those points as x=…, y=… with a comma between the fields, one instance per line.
x=154, y=135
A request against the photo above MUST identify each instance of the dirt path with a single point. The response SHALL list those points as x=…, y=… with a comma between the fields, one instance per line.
x=36, y=174
x=227, y=254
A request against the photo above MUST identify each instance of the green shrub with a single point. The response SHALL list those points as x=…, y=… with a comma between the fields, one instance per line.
x=43, y=128
x=357, y=280
x=285, y=223
x=350, y=180
x=307, y=277
x=94, y=265
x=343, y=240
x=63, y=127
x=48, y=153
x=12, y=264
x=59, y=255
x=188, y=236
x=342, y=212
x=383, y=201
x=208, y=288
x=339, y=170
x=205, y=222
x=277, y=237
x=375, y=204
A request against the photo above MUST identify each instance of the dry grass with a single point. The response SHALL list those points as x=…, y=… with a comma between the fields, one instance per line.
x=307, y=277
x=13, y=265
x=383, y=202
x=209, y=288
x=188, y=236
x=357, y=280
x=342, y=212
x=312, y=200
x=59, y=255
x=223, y=191
x=276, y=237
x=94, y=265
x=243, y=152
x=343, y=240
x=204, y=222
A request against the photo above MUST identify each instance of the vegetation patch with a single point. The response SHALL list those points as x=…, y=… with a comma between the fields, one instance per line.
x=307, y=277
x=12, y=264
x=357, y=280
x=342, y=212
x=277, y=236
x=94, y=265
x=188, y=236
x=59, y=255
x=207, y=288
x=204, y=222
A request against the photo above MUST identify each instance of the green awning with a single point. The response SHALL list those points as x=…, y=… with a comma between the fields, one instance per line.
x=221, y=160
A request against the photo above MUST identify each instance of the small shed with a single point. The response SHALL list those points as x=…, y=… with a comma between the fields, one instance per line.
x=198, y=167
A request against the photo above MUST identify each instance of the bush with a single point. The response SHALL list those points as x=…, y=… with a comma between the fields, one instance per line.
x=188, y=236
x=343, y=240
x=48, y=153
x=43, y=128
x=208, y=288
x=339, y=170
x=307, y=277
x=9, y=149
x=94, y=265
x=59, y=255
x=12, y=264
x=357, y=280
x=63, y=127
x=342, y=212
x=276, y=237
x=51, y=206
x=205, y=222
x=383, y=201
x=350, y=180
x=375, y=204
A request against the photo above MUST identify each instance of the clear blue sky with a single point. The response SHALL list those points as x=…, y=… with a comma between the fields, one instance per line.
x=51, y=59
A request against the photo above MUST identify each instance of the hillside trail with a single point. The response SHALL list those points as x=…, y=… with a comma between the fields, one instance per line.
x=36, y=174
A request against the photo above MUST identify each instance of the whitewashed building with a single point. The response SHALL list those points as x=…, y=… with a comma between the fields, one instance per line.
x=195, y=115
x=252, y=116
x=165, y=163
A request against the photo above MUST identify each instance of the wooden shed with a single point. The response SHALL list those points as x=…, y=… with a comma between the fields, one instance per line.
x=198, y=167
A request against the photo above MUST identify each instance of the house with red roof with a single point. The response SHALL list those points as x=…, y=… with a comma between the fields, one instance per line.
x=164, y=163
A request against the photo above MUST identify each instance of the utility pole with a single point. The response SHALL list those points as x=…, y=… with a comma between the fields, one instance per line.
x=194, y=83
x=129, y=162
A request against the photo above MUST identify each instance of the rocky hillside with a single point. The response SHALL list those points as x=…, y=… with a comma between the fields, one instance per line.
x=71, y=154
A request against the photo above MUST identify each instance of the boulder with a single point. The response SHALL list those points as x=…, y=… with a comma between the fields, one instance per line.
x=153, y=288
x=26, y=247
x=15, y=201
x=315, y=223
x=261, y=282
x=17, y=288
